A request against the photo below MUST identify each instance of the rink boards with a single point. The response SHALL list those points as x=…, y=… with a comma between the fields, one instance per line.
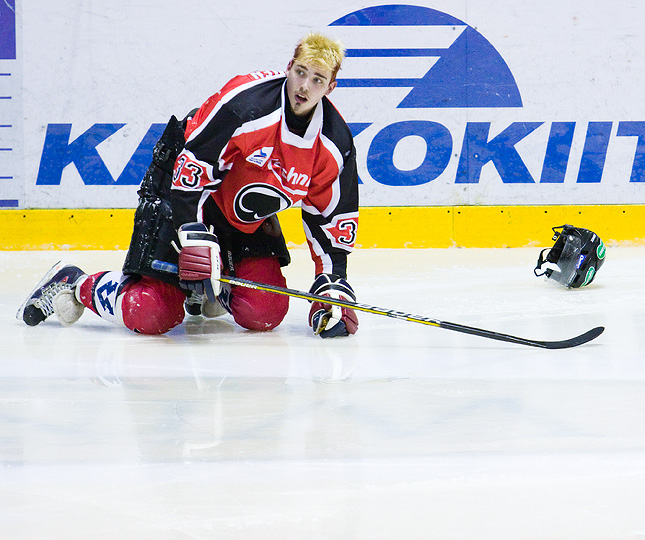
x=379, y=227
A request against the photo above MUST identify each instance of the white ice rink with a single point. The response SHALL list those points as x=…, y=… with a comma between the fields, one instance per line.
x=403, y=431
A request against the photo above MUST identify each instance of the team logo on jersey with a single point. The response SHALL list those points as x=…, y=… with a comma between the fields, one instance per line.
x=255, y=202
x=441, y=59
x=261, y=156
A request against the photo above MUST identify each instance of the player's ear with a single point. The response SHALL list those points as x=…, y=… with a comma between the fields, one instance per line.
x=332, y=85
x=290, y=64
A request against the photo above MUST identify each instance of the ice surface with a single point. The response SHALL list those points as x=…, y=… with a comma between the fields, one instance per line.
x=402, y=431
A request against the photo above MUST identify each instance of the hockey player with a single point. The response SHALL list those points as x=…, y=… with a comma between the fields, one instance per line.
x=208, y=206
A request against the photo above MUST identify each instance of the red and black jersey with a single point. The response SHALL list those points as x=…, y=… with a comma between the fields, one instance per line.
x=240, y=152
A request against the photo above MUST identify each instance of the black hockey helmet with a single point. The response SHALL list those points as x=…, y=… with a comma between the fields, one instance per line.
x=574, y=259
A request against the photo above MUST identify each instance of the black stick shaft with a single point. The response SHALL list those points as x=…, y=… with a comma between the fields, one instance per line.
x=563, y=344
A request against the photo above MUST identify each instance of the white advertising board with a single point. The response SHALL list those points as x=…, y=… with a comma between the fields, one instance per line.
x=472, y=102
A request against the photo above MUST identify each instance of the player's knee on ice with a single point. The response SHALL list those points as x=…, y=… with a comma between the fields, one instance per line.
x=259, y=310
x=144, y=305
x=150, y=306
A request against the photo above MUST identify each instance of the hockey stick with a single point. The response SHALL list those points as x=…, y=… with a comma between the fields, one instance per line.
x=563, y=344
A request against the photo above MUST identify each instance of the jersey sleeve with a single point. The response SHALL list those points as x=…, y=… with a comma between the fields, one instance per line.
x=199, y=170
x=330, y=215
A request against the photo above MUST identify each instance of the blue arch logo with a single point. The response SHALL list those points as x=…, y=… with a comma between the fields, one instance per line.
x=424, y=65
x=465, y=70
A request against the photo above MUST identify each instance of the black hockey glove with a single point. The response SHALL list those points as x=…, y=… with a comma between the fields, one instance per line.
x=332, y=321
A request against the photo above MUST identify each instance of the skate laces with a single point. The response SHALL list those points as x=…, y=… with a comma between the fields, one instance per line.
x=46, y=301
x=195, y=299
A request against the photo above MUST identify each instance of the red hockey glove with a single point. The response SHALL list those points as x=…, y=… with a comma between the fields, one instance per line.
x=332, y=321
x=199, y=260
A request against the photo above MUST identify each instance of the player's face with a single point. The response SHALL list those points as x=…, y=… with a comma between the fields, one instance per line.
x=307, y=84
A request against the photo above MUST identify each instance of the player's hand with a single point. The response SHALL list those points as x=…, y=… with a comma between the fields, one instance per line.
x=332, y=321
x=199, y=260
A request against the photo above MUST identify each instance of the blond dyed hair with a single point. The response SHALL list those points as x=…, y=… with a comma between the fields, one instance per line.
x=320, y=50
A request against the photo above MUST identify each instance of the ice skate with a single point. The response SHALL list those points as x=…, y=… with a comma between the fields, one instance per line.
x=197, y=304
x=212, y=309
x=54, y=294
x=193, y=304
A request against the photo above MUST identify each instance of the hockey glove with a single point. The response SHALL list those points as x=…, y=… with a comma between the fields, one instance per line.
x=332, y=321
x=199, y=260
